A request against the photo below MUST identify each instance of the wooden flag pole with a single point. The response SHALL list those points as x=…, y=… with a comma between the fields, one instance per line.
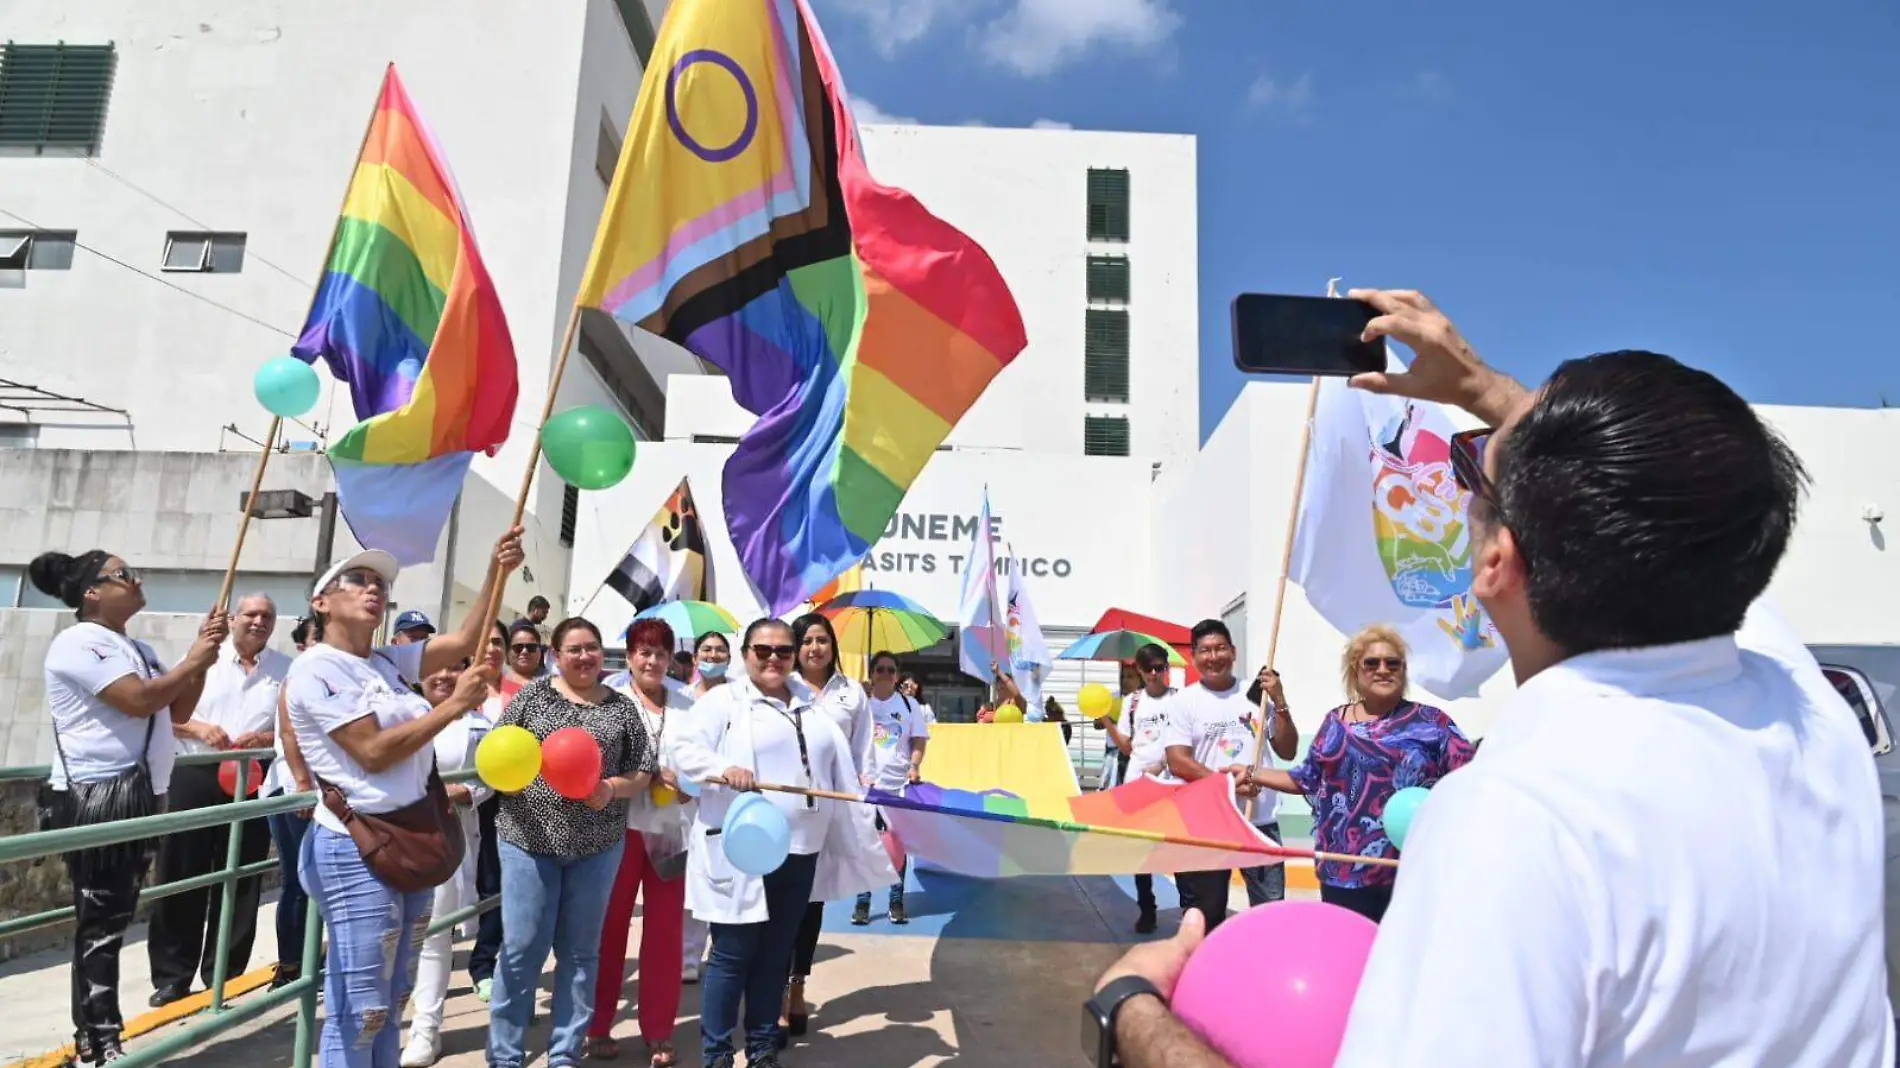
x=1286, y=562
x=250, y=506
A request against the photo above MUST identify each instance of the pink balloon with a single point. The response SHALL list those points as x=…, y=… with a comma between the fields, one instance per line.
x=1272, y=987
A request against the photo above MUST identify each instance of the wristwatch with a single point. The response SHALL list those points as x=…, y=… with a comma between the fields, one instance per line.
x=1098, y=1016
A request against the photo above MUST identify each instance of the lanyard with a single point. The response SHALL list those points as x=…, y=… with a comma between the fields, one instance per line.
x=797, y=720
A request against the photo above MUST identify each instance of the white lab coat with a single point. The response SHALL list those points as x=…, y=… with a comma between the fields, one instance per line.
x=716, y=734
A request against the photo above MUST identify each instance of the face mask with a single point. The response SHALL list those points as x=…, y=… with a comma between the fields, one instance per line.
x=712, y=669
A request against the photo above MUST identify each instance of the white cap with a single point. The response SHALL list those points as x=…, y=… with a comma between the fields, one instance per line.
x=374, y=559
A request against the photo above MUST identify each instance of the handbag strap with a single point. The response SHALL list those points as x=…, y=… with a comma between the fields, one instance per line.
x=151, y=723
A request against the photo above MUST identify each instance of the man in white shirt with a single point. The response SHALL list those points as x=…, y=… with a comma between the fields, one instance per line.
x=1671, y=850
x=1210, y=729
x=238, y=710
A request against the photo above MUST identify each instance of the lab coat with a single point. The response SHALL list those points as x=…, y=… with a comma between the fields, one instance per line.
x=716, y=734
x=454, y=751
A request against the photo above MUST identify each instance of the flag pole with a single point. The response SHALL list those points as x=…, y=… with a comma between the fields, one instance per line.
x=1286, y=561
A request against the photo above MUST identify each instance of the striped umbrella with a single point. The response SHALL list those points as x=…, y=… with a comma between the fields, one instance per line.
x=690, y=619
x=1118, y=645
x=879, y=620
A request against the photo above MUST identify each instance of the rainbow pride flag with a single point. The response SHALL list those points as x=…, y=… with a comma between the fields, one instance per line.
x=407, y=315
x=1144, y=826
x=743, y=225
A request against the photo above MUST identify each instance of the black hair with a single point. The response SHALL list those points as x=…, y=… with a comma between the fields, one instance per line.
x=803, y=625
x=572, y=623
x=301, y=634
x=66, y=577
x=764, y=623
x=1208, y=628
x=911, y=677
x=880, y=656
x=527, y=625
x=1052, y=708
x=681, y=656
x=538, y=601
x=701, y=640
x=502, y=629
x=1650, y=503
x=1152, y=656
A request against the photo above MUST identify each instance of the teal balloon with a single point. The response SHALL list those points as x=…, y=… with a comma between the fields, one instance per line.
x=286, y=386
x=757, y=837
x=590, y=447
x=1400, y=810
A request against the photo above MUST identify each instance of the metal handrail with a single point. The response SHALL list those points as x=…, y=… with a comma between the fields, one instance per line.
x=222, y=1017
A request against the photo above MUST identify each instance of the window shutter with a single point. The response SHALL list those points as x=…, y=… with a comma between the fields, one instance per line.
x=1108, y=279
x=55, y=96
x=1105, y=355
x=1108, y=205
x=1105, y=435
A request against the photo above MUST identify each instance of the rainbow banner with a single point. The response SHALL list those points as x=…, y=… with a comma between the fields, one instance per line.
x=407, y=315
x=743, y=225
x=1145, y=826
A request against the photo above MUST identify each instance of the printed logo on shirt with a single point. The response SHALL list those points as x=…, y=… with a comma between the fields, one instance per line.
x=102, y=652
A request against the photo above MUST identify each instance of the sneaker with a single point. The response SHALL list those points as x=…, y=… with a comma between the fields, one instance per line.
x=690, y=973
x=107, y=1051
x=483, y=989
x=763, y=1060
x=1145, y=923
x=421, y=1052
x=861, y=915
x=898, y=915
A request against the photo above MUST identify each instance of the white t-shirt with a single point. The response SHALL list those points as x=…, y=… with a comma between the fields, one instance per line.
x=1218, y=726
x=642, y=814
x=237, y=700
x=896, y=721
x=328, y=688
x=95, y=740
x=1703, y=890
x=1145, y=719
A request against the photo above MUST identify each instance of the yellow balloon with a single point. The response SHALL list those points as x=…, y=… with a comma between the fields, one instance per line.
x=508, y=759
x=1009, y=714
x=663, y=795
x=1096, y=702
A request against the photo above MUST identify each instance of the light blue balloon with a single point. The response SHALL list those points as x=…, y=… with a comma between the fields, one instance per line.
x=689, y=785
x=1400, y=810
x=757, y=837
x=286, y=386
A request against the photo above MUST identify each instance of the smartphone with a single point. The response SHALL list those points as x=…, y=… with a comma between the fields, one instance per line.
x=1285, y=335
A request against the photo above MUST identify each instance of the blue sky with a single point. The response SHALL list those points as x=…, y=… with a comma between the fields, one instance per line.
x=1718, y=181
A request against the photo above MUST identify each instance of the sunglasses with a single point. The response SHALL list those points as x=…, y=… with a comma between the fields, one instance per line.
x=1467, y=461
x=767, y=652
x=885, y=670
x=525, y=647
x=1390, y=663
x=126, y=575
x=363, y=580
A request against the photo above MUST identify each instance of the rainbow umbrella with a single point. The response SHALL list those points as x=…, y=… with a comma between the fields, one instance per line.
x=690, y=619
x=879, y=620
x=1117, y=645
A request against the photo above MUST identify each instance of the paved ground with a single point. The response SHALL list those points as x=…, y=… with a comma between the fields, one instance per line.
x=990, y=974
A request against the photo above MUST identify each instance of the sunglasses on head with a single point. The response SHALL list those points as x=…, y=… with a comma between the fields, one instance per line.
x=767, y=652
x=1390, y=663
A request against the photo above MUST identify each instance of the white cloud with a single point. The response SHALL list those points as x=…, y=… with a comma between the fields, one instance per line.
x=865, y=111
x=1294, y=98
x=1429, y=85
x=1037, y=37
x=973, y=122
x=1051, y=124
x=893, y=23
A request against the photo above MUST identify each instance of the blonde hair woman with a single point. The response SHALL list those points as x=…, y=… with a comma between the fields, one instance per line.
x=1378, y=743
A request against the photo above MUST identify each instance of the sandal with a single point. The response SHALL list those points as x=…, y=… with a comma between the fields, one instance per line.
x=660, y=1054
x=604, y=1048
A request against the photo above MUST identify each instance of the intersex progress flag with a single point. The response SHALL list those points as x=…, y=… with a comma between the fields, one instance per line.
x=1145, y=826
x=743, y=224
x=407, y=315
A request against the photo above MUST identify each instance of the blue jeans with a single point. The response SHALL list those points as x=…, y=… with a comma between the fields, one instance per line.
x=556, y=903
x=287, y=830
x=375, y=934
x=751, y=961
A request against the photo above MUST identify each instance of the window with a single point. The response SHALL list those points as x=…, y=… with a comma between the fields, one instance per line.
x=633, y=15
x=1108, y=205
x=607, y=152
x=570, y=514
x=207, y=253
x=1105, y=435
x=1108, y=279
x=19, y=435
x=1105, y=355
x=36, y=250
x=55, y=96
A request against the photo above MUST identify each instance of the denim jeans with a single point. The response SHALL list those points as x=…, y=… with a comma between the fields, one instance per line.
x=481, y=959
x=751, y=961
x=1266, y=882
x=287, y=830
x=548, y=903
x=375, y=934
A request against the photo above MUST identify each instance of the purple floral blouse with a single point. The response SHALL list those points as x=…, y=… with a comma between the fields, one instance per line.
x=1352, y=769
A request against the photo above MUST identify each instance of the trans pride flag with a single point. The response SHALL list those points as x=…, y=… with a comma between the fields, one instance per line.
x=743, y=225
x=1145, y=826
x=407, y=315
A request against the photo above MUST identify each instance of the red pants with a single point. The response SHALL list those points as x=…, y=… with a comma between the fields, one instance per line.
x=660, y=946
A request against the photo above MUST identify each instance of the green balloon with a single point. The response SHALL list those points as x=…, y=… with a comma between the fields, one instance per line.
x=590, y=447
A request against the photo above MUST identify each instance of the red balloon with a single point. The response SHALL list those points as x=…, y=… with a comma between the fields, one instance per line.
x=253, y=777
x=570, y=763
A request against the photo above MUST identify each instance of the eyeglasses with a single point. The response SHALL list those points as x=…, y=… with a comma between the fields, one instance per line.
x=1390, y=663
x=580, y=650
x=767, y=652
x=123, y=574
x=1467, y=461
x=525, y=647
x=885, y=670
